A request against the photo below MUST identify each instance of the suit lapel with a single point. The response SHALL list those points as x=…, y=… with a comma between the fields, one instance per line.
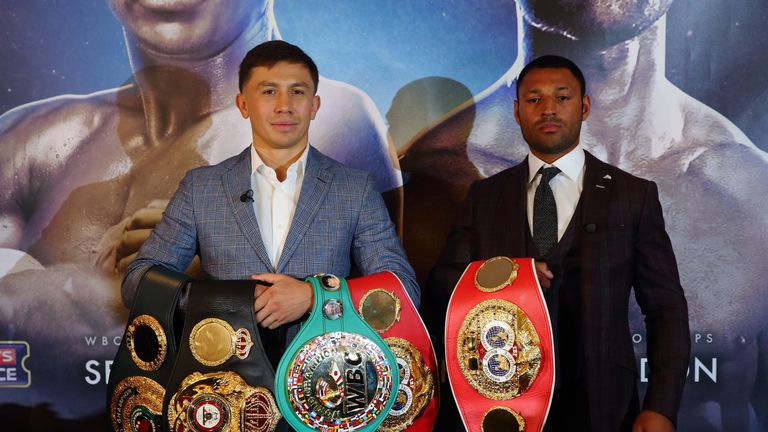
x=598, y=182
x=237, y=180
x=314, y=188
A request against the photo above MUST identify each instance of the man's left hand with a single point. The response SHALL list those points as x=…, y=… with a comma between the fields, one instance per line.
x=651, y=421
x=544, y=274
x=286, y=300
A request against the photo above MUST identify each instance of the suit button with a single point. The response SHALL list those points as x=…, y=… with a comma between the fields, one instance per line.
x=590, y=228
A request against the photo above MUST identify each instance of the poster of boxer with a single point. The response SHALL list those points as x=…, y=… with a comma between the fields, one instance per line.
x=106, y=104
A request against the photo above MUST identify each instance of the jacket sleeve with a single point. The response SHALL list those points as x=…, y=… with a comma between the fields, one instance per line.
x=458, y=252
x=660, y=296
x=376, y=246
x=172, y=243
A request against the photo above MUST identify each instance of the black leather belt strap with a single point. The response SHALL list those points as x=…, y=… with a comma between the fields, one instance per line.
x=148, y=348
x=219, y=316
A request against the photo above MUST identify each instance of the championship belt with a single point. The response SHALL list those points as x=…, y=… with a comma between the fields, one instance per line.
x=337, y=374
x=384, y=304
x=222, y=380
x=499, y=347
x=147, y=351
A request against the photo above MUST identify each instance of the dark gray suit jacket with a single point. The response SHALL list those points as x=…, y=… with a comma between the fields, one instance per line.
x=625, y=246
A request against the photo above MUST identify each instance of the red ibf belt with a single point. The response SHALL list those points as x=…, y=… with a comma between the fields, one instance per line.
x=384, y=304
x=499, y=348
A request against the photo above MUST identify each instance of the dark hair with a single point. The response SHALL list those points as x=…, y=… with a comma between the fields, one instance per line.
x=269, y=54
x=552, y=62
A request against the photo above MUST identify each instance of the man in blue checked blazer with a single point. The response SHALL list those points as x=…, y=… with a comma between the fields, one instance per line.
x=280, y=210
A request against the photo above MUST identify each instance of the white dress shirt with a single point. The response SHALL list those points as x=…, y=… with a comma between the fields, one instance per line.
x=566, y=186
x=274, y=202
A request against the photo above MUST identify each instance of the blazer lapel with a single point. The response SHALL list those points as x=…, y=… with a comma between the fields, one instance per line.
x=236, y=181
x=314, y=188
x=595, y=195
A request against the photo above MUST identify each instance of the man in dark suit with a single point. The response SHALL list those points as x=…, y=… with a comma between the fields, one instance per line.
x=597, y=232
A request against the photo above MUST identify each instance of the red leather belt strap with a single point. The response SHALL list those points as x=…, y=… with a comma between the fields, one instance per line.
x=499, y=349
x=383, y=302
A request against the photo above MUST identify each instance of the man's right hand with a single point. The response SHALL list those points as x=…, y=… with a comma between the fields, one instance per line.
x=283, y=300
x=543, y=274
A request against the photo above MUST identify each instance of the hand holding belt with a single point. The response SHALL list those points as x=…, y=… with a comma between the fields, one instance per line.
x=384, y=304
x=146, y=355
x=337, y=374
x=499, y=347
x=222, y=379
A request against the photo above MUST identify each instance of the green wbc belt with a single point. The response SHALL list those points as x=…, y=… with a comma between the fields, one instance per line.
x=337, y=373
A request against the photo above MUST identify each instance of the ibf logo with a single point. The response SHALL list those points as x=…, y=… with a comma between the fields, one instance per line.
x=13, y=373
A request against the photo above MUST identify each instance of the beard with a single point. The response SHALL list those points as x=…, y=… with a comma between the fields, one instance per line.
x=560, y=142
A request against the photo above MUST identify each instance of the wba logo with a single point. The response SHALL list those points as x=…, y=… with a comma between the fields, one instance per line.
x=13, y=373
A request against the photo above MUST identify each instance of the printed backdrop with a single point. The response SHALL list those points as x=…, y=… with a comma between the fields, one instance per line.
x=100, y=124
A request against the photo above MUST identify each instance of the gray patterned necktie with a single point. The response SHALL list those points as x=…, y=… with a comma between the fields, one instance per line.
x=545, y=212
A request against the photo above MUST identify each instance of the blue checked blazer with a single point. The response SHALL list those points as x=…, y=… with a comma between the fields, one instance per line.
x=340, y=217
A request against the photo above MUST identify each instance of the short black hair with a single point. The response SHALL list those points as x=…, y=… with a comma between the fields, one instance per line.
x=269, y=54
x=552, y=62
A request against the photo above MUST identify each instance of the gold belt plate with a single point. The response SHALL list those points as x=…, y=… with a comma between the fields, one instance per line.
x=147, y=343
x=213, y=341
x=137, y=405
x=498, y=349
x=417, y=386
x=221, y=402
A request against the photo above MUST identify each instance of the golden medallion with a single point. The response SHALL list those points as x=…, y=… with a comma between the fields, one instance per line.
x=498, y=349
x=502, y=419
x=380, y=309
x=137, y=405
x=213, y=341
x=496, y=273
x=219, y=402
x=146, y=342
x=417, y=386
